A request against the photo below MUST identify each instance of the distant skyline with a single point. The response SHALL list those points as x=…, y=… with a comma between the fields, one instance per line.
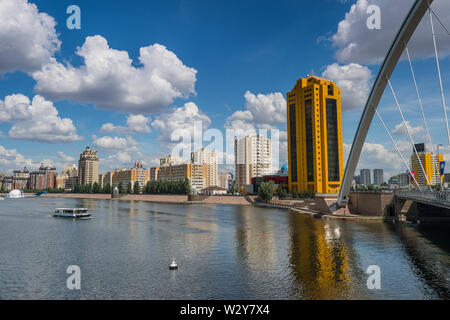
x=138, y=70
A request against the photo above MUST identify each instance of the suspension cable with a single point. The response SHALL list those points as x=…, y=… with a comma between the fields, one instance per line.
x=420, y=104
x=439, y=74
x=439, y=20
x=398, y=150
x=407, y=131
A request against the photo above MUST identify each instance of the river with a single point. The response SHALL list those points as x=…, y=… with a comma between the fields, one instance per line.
x=223, y=252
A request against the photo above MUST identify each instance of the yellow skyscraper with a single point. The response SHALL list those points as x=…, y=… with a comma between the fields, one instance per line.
x=315, y=148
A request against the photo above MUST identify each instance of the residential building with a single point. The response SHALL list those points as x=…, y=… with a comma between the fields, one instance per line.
x=43, y=179
x=357, y=180
x=105, y=179
x=208, y=158
x=364, y=177
x=67, y=179
x=154, y=173
x=378, y=178
x=20, y=179
x=430, y=162
x=253, y=158
x=400, y=181
x=137, y=174
x=315, y=148
x=7, y=183
x=88, y=167
x=223, y=180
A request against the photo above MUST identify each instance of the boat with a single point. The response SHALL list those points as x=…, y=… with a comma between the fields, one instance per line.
x=72, y=213
x=40, y=194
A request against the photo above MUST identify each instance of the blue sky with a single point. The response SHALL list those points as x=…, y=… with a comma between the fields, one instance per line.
x=234, y=56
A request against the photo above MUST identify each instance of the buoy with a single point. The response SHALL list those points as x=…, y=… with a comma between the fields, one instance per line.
x=173, y=265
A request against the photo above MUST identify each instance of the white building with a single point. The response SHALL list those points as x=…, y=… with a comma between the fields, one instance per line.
x=208, y=158
x=253, y=158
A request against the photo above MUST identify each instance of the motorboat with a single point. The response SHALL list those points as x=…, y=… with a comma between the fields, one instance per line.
x=72, y=213
x=15, y=194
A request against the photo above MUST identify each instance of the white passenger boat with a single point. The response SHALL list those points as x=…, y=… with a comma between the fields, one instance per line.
x=72, y=213
x=15, y=194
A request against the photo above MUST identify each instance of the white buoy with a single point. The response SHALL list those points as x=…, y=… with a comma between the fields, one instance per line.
x=173, y=265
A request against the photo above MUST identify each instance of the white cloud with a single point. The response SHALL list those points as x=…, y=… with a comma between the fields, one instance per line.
x=27, y=37
x=36, y=121
x=354, y=82
x=115, y=144
x=180, y=118
x=110, y=81
x=11, y=159
x=65, y=157
x=261, y=110
x=356, y=43
x=400, y=129
x=135, y=124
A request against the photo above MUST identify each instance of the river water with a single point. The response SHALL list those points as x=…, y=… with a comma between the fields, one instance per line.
x=223, y=252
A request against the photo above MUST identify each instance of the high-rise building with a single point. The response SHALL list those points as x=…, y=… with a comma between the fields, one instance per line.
x=315, y=148
x=253, y=158
x=430, y=163
x=208, y=158
x=88, y=167
x=224, y=180
x=364, y=177
x=378, y=178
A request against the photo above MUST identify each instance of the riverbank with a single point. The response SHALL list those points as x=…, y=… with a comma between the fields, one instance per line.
x=157, y=198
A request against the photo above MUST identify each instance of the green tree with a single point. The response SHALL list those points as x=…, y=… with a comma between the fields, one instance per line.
x=96, y=188
x=121, y=189
x=136, y=188
x=294, y=193
x=281, y=192
x=129, y=189
x=266, y=190
x=107, y=189
x=234, y=187
x=88, y=188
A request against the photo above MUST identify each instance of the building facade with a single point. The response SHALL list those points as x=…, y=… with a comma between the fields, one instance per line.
x=44, y=178
x=252, y=158
x=137, y=174
x=430, y=162
x=88, y=167
x=378, y=178
x=224, y=180
x=364, y=177
x=315, y=148
x=20, y=179
x=208, y=158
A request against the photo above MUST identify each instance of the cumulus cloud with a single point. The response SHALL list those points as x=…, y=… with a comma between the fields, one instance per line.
x=10, y=159
x=354, y=82
x=261, y=110
x=182, y=118
x=401, y=131
x=28, y=37
x=135, y=124
x=115, y=144
x=356, y=43
x=377, y=156
x=65, y=157
x=36, y=121
x=109, y=80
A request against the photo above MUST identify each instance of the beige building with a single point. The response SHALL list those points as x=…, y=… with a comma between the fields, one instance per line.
x=253, y=158
x=223, y=178
x=88, y=167
x=208, y=158
x=105, y=178
x=137, y=174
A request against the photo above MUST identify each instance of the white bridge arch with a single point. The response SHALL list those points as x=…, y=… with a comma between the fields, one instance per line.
x=403, y=36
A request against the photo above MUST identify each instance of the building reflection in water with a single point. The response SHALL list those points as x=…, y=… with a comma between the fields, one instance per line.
x=319, y=259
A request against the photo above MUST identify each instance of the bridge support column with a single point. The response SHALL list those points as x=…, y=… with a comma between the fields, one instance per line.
x=406, y=210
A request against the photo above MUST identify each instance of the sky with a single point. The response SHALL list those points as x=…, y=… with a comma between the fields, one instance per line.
x=138, y=71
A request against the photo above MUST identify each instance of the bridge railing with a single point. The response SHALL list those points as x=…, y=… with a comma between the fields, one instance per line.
x=431, y=196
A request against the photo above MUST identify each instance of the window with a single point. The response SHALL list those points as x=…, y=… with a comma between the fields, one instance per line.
x=309, y=140
x=293, y=142
x=332, y=138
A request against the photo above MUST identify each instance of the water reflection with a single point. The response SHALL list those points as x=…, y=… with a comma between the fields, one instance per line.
x=319, y=259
